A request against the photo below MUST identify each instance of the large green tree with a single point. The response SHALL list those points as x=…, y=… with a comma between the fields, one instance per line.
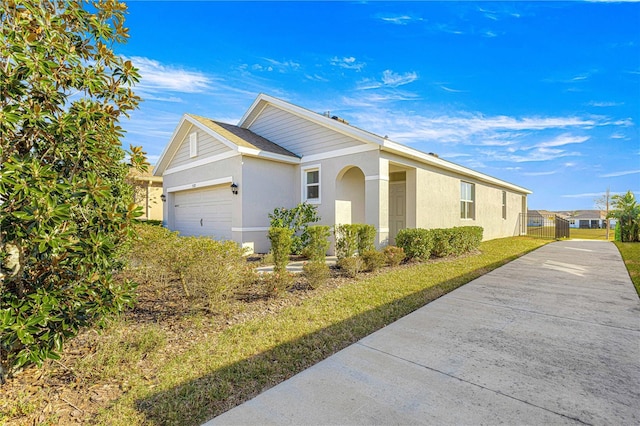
x=627, y=211
x=65, y=209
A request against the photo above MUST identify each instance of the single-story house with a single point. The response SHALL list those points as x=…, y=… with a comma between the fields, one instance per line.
x=148, y=193
x=588, y=219
x=222, y=180
x=540, y=218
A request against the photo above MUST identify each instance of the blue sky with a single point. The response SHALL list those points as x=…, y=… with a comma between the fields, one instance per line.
x=545, y=95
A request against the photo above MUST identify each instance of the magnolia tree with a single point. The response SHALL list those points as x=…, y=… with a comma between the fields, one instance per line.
x=65, y=209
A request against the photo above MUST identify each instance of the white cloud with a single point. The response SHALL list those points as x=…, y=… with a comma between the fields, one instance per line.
x=549, y=173
x=604, y=104
x=617, y=174
x=389, y=78
x=563, y=139
x=156, y=77
x=348, y=62
x=448, y=89
x=400, y=19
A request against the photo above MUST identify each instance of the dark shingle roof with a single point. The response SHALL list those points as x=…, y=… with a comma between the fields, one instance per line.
x=243, y=137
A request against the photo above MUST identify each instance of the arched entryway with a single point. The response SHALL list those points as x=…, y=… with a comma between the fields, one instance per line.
x=350, y=196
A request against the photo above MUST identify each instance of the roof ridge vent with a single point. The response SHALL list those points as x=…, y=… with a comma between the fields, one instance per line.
x=340, y=119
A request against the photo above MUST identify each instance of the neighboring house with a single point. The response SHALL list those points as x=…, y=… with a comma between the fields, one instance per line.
x=540, y=218
x=588, y=219
x=148, y=193
x=222, y=180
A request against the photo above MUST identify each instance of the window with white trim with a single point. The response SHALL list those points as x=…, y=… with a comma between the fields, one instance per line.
x=311, y=184
x=467, y=200
x=504, y=204
x=193, y=145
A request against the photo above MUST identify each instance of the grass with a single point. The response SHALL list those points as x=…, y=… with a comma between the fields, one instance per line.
x=631, y=255
x=591, y=234
x=212, y=376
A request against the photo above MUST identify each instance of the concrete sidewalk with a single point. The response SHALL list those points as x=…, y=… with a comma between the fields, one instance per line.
x=550, y=338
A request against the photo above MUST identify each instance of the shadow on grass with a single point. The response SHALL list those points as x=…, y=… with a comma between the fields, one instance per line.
x=196, y=401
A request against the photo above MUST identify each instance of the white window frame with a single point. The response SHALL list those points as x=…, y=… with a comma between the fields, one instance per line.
x=471, y=199
x=305, y=184
x=193, y=145
x=504, y=205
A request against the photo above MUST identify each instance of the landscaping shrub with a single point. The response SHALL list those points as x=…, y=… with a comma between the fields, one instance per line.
x=617, y=232
x=210, y=272
x=280, y=247
x=213, y=271
x=297, y=219
x=366, y=238
x=316, y=272
x=346, y=240
x=277, y=283
x=373, y=260
x=417, y=243
x=443, y=242
x=466, y=239
x=350, y=266
x=318, y=244
x=394, y=255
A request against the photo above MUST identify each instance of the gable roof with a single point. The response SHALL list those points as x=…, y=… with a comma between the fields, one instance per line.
x=243, y=140
x=383, y=143
x=237, y=138
x=243, y=137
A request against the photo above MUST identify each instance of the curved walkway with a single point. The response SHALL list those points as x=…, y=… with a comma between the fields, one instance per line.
x=550, y=338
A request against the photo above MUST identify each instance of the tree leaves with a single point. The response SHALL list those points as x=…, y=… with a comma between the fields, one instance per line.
x=64, y=203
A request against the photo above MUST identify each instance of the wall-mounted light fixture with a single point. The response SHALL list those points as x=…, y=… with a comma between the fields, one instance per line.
x=163, y=198
x=234, y=188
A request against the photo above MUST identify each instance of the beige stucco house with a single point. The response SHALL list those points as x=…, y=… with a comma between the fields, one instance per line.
x=147, y=193
x=223, y=180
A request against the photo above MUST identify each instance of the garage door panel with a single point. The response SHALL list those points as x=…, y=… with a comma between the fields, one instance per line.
x=205, y=211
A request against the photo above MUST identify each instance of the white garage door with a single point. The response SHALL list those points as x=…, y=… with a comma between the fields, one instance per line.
x=205, y=211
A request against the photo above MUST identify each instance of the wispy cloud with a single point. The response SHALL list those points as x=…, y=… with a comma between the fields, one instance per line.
x=450, y=90
x=548, y=173
x=348, y=62
x=563, y=139
x=400, y=19
x=389, y=79
x=604, y=104
x=617, y=174
x=157, y=77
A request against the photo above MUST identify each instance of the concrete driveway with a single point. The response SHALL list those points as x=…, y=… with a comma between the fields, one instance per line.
x=551, y=338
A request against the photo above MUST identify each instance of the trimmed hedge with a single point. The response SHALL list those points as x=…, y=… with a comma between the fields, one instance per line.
x=421, y=244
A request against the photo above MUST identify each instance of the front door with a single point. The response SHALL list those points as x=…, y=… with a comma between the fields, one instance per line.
x=397, y=209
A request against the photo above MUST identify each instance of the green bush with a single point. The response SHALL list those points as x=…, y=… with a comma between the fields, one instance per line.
x=316, y=273
x=373, y=260
x=211, y=272
x=394, y=255
x=417, y=243
x=280, y=247
x=66, y=209
x=366, y=238
x=346, y=236
x=316, y=248
x=443, y=242
x=354, y=238
x=466, y=239
x=297, y=219
x=350, y=266
x=618, y=232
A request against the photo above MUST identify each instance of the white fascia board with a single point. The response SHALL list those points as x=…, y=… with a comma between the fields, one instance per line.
x=202, y=162
x=339, y=153
x=201, y=184
x=406, y=151
x=213, y=133
x=167, y=155
x=268, y=155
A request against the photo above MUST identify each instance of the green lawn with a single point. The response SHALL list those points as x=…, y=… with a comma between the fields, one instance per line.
x=233, y=366
x=631, y=255
x=591, y=234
